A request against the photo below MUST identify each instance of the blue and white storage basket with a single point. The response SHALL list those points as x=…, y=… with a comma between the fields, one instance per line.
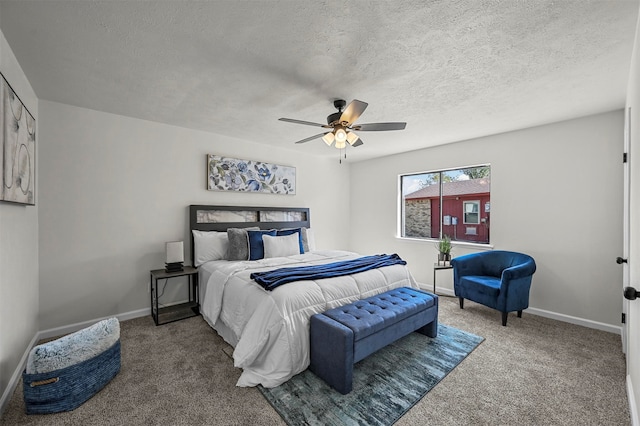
x=61, y=375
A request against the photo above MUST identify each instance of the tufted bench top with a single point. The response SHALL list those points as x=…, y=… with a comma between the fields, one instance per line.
x=368, y=316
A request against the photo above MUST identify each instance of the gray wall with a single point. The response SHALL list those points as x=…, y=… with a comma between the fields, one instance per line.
x=18, y=250
x=114, y=189
x=556, y=193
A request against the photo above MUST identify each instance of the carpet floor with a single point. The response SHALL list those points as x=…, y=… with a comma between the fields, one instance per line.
x=535, y=371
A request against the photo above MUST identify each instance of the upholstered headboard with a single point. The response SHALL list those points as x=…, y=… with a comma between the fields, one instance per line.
x=220, y=218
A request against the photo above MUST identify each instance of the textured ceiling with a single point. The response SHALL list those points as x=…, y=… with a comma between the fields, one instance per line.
x=453, y=70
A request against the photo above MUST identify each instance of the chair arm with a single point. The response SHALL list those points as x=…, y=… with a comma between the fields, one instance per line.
x=519, y=271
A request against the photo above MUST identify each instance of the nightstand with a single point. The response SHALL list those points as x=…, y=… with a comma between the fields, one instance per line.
x=191, y=308
x=439, y=267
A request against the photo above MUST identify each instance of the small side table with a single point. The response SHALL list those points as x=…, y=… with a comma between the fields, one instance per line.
x=180, y=311
x=439, y=267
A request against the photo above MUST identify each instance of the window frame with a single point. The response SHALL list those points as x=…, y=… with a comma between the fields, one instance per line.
x=464, y=212
x=401, y=207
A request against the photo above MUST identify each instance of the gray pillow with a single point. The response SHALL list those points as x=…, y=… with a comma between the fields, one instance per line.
x=239, y=243
x=305, y=240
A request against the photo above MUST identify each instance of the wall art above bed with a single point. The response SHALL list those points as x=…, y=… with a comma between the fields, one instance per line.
x=17, y=148
x=232, y=174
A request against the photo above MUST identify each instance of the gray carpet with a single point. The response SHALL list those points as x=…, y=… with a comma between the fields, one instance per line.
x=535, y=371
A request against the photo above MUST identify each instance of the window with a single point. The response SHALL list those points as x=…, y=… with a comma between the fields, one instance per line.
x=447, y=202
x=471, y=209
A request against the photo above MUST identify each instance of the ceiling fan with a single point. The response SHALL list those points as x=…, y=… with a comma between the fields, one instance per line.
x=342, y=125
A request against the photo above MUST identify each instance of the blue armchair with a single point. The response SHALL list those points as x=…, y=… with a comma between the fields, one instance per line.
x=498, y=279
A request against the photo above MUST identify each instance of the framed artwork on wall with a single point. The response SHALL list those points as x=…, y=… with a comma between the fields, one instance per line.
x=17, y=148
x=232, y=174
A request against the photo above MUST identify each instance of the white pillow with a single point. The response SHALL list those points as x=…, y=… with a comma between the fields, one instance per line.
x=286, y=245
x=209, y=245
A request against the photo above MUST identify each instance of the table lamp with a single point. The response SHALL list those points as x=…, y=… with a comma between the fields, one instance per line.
x=175, y=256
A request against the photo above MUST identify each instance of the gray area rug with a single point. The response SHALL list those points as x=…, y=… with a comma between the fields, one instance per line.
x=385, y=384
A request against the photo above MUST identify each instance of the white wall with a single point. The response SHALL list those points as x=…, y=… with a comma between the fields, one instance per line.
x=556, y=194
x=114, y=189
x=18, y=251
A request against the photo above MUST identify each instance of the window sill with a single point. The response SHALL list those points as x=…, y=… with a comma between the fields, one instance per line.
x=465, y=244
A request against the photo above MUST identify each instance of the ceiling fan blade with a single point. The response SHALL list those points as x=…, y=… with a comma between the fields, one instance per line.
x=353, y=111
x=378, y=127
x=310, y=138
x=308, y=123
x=357, y=143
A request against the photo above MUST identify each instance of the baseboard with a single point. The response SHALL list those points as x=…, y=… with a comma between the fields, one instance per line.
x=439, y=290
x=575, y=320
x=53, y=332
x=633, y=410
x=59, y=331
x=445, y=292
x=554, y=315
x=11, y=386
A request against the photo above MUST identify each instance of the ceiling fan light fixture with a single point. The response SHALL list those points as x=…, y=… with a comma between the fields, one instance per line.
x=329, y=138
x=352, y=138
x=341, y=124
x=341, y=135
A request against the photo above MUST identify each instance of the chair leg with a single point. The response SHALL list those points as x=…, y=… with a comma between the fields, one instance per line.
x=519, y=314
x=504, y=318
x=461, y=302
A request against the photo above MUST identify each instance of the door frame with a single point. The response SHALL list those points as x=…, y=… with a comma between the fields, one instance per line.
x=626, y=225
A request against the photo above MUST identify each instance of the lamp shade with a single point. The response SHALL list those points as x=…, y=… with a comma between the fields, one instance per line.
x=175, y=252
x=352, y=138
x=328, y=138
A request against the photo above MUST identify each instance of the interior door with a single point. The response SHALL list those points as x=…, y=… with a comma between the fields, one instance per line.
x=632, y=327
x=632, y=136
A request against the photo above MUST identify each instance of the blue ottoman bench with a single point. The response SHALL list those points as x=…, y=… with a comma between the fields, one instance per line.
x=62, y=374
x=342, y=336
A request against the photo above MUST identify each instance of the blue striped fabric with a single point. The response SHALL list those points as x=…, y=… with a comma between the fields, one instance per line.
x=270, y=280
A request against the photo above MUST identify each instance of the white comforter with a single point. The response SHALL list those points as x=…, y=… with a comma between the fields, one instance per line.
x=272, y=327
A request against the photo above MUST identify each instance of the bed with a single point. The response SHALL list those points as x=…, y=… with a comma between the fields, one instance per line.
x=269, y=330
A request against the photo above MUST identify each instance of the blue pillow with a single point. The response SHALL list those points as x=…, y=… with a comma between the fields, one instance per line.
x=283, y=232
x=256, y=245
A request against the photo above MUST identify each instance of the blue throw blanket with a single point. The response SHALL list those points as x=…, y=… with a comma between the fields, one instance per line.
x=273, y=279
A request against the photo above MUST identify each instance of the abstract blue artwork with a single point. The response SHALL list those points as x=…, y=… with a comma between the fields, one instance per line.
x=232, y=174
